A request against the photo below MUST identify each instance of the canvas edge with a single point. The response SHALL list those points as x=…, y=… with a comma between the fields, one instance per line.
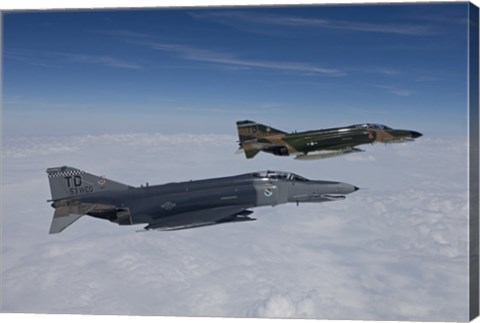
x=473, y=159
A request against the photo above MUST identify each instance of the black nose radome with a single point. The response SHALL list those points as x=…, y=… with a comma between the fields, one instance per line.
x=415, y=134
x=356, y=188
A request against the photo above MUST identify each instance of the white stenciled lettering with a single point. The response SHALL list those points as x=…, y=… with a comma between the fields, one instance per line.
x=81, y=190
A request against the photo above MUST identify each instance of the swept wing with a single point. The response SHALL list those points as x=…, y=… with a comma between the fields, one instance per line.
x=198, y=218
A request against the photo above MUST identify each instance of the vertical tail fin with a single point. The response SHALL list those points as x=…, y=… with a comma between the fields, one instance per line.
x=249, y=132
x=66, y=185
x=68, y=182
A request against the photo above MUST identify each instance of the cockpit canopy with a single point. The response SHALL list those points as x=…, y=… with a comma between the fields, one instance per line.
x=270, y=174
x=372, y=126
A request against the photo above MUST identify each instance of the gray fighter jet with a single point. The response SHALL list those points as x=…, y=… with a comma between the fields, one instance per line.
x=183, y=205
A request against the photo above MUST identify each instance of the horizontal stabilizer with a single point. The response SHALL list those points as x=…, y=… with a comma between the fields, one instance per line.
x=252, y=147
x=251, y=153
x=62, y=219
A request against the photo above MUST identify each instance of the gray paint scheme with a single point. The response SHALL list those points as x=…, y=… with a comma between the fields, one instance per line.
x=181, y=205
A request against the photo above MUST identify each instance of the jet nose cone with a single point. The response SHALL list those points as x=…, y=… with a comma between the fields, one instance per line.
x=355, y=188
x=415, y=134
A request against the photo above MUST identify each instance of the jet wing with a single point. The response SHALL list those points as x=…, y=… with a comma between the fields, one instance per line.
x=199, y=218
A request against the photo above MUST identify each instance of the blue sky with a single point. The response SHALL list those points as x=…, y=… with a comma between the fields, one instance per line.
x=200, y=70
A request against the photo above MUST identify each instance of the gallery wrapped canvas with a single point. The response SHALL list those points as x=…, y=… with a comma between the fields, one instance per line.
x=353, y=194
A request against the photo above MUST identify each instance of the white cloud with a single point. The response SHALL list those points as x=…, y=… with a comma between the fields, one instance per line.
x=44, y=59
x=102, y=60
x=203, y=55
x=243, y=19
x=224, y=59
x=395, y=250
x=394, y=90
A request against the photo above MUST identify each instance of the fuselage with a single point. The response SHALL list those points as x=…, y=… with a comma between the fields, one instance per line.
x=149, y=203
x=345, y=137
x=255, y=137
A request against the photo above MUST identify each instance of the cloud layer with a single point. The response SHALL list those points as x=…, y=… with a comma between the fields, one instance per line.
x=395, y=250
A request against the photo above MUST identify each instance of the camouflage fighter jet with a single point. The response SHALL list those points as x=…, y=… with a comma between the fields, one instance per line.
x=183, y=205
x=316, y=144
